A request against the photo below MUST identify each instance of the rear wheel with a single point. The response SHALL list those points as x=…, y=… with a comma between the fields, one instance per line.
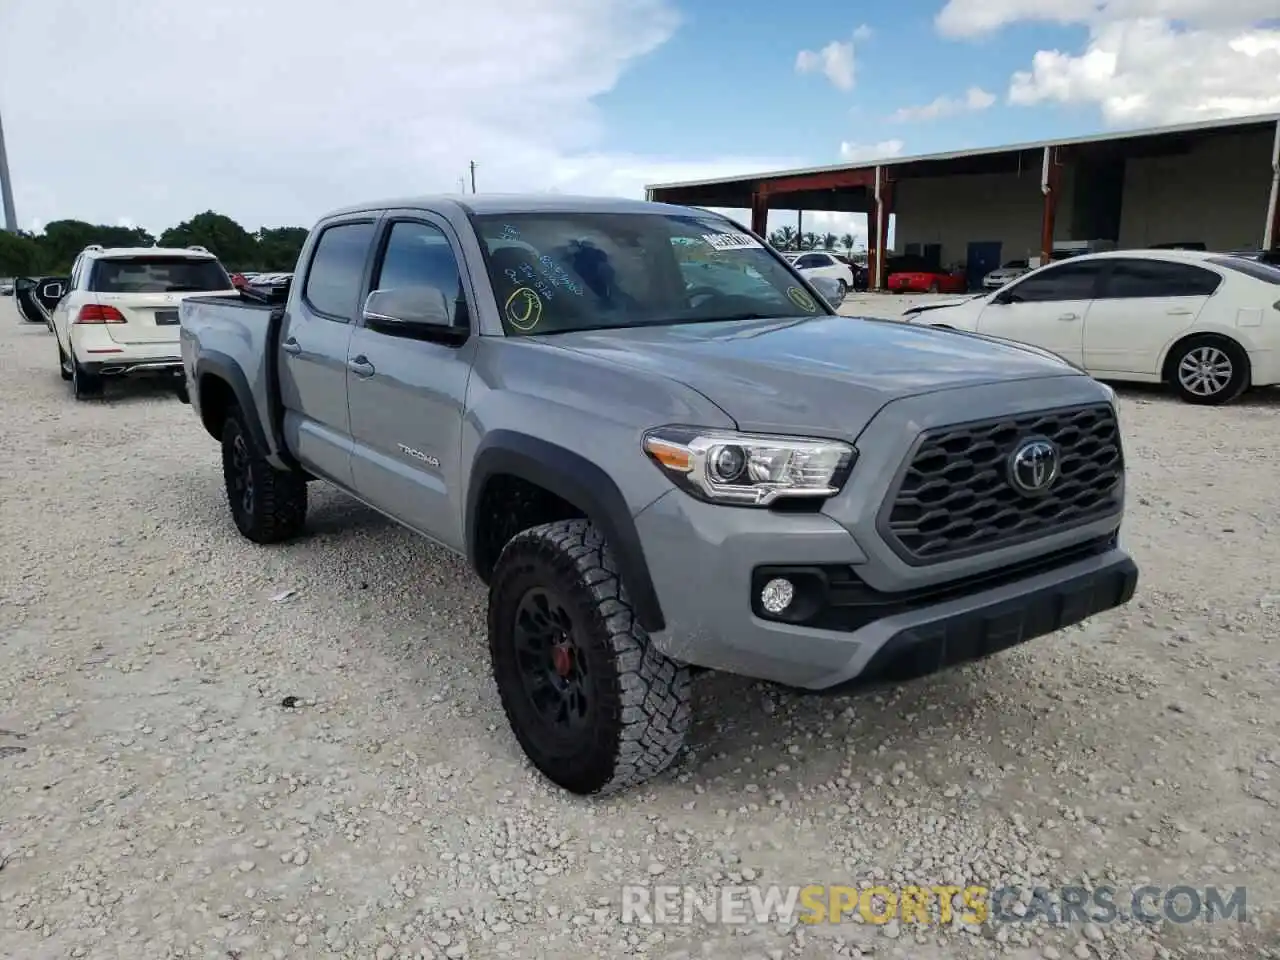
x=1209, y=371
x=595, y=706
x=267, y=505
x=843, y=289
x=84, y=385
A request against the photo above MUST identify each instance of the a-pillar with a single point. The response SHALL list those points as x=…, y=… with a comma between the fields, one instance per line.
x=1050, y=178
x=760, y=213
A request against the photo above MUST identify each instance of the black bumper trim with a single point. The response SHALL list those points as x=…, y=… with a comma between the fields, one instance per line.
x=975, y=634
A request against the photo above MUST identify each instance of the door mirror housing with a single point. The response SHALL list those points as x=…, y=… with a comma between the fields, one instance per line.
x=419, y=312
x=1005, y=296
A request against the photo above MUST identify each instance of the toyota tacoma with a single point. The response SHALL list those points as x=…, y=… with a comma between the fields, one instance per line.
x=662, y=451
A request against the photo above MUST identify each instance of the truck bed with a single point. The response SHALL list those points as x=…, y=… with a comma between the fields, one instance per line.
x=237, y=337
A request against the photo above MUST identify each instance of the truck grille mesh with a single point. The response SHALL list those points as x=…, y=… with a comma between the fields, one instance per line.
x=955, y=497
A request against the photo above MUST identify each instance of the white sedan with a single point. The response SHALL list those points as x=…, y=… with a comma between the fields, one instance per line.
x=818, y=264
x=1207, y=323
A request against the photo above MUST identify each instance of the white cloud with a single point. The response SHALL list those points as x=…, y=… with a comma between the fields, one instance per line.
x=275, y=113
x=971, y=18
x=1145, y=61
x=864, y=32
x=974, y=99
x=835, y=61
x=866, y=152
x=1147, y=72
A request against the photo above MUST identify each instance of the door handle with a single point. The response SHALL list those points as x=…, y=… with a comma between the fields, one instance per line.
x=1069, y=316
x=291, y=347
x=361, y=366
x=1179, y=312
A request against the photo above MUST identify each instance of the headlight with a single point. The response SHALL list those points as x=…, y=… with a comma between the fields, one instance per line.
x=736, y=468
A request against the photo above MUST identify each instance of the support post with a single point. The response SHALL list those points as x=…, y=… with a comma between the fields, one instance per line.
x=1271, y=235
x=760, y=213
x=1050, y=178
x=878, y=229
x=6, y=189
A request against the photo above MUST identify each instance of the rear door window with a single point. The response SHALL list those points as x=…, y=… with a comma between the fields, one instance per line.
x=1133, y=279
x=158, y=275
x=336, y=271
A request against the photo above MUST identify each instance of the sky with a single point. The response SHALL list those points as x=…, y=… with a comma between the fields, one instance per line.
x=146, y=112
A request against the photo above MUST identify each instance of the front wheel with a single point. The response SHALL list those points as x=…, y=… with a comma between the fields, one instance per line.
x=1210, y=371
x=594, y=705
x=267, y=505
x=843, y=289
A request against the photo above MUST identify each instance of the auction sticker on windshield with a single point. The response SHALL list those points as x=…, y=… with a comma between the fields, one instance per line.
x=731, y=241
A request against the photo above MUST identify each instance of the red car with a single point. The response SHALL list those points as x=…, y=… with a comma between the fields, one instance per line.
x=913, y=275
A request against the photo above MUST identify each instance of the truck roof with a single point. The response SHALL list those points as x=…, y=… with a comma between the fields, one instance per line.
x=499, y=203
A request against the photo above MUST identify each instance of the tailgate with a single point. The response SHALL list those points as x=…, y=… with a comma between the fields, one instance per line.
x=149, y=318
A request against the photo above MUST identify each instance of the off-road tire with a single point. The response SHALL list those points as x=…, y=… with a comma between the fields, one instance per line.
x=641, y=698
x=84, y=385
x=64, y=365
x=276, y=508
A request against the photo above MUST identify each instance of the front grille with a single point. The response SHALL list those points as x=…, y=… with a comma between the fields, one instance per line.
x=955, y=499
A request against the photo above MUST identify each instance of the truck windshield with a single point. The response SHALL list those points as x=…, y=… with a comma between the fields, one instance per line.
x=559, y=272
x=158, y=275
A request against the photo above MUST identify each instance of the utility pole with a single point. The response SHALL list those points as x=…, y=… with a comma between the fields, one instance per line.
x=6, y=188
x=473, y=176
x=462, y=185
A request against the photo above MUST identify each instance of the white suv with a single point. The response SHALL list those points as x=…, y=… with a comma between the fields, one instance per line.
x=820, y=264
x=119, y=314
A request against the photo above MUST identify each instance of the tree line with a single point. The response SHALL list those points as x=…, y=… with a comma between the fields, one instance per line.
x=52, y=251
x=786, y=238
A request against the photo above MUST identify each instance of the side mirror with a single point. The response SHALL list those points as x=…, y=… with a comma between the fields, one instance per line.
x=52, y=290
x=830, y=290
x=1005, y=296
x=420, y=312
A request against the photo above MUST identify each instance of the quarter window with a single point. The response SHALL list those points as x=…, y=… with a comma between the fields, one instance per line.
x=336, y=269
x=1158, y=278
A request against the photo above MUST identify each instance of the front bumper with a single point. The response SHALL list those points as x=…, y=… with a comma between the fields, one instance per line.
x=707, y=561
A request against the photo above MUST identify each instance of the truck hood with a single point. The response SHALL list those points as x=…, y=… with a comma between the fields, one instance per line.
x=822, y=376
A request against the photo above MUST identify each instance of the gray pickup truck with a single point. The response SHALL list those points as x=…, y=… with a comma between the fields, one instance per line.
x=662, y=451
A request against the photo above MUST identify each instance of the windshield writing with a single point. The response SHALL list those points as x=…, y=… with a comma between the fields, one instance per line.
x=559, y=272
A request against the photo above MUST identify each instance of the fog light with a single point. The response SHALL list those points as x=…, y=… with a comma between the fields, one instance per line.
x=777, y=595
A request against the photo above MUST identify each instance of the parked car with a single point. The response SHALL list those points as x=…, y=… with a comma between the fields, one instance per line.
x=6, y=288
x=626, y=462
x=911, y=274
x=822, y=264
x=861, y=275
x=1207, y=323
x=118, y=316
x=998, y=277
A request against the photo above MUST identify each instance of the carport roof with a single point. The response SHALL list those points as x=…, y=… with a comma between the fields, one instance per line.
x=986, y=159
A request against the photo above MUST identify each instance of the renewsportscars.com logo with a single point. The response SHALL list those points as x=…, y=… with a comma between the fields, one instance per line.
x=936, y=904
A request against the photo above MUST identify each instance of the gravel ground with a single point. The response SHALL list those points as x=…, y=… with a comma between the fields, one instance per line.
x=211, y=749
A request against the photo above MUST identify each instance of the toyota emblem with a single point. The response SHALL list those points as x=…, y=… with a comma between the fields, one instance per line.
x=1033, y=466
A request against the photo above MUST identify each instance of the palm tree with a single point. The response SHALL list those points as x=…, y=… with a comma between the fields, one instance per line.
x=786, y=237
x=829, y=242
x=810, y=242
x=847, y=242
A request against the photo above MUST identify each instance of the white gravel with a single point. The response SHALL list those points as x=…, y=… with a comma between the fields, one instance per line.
x=157, y=799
